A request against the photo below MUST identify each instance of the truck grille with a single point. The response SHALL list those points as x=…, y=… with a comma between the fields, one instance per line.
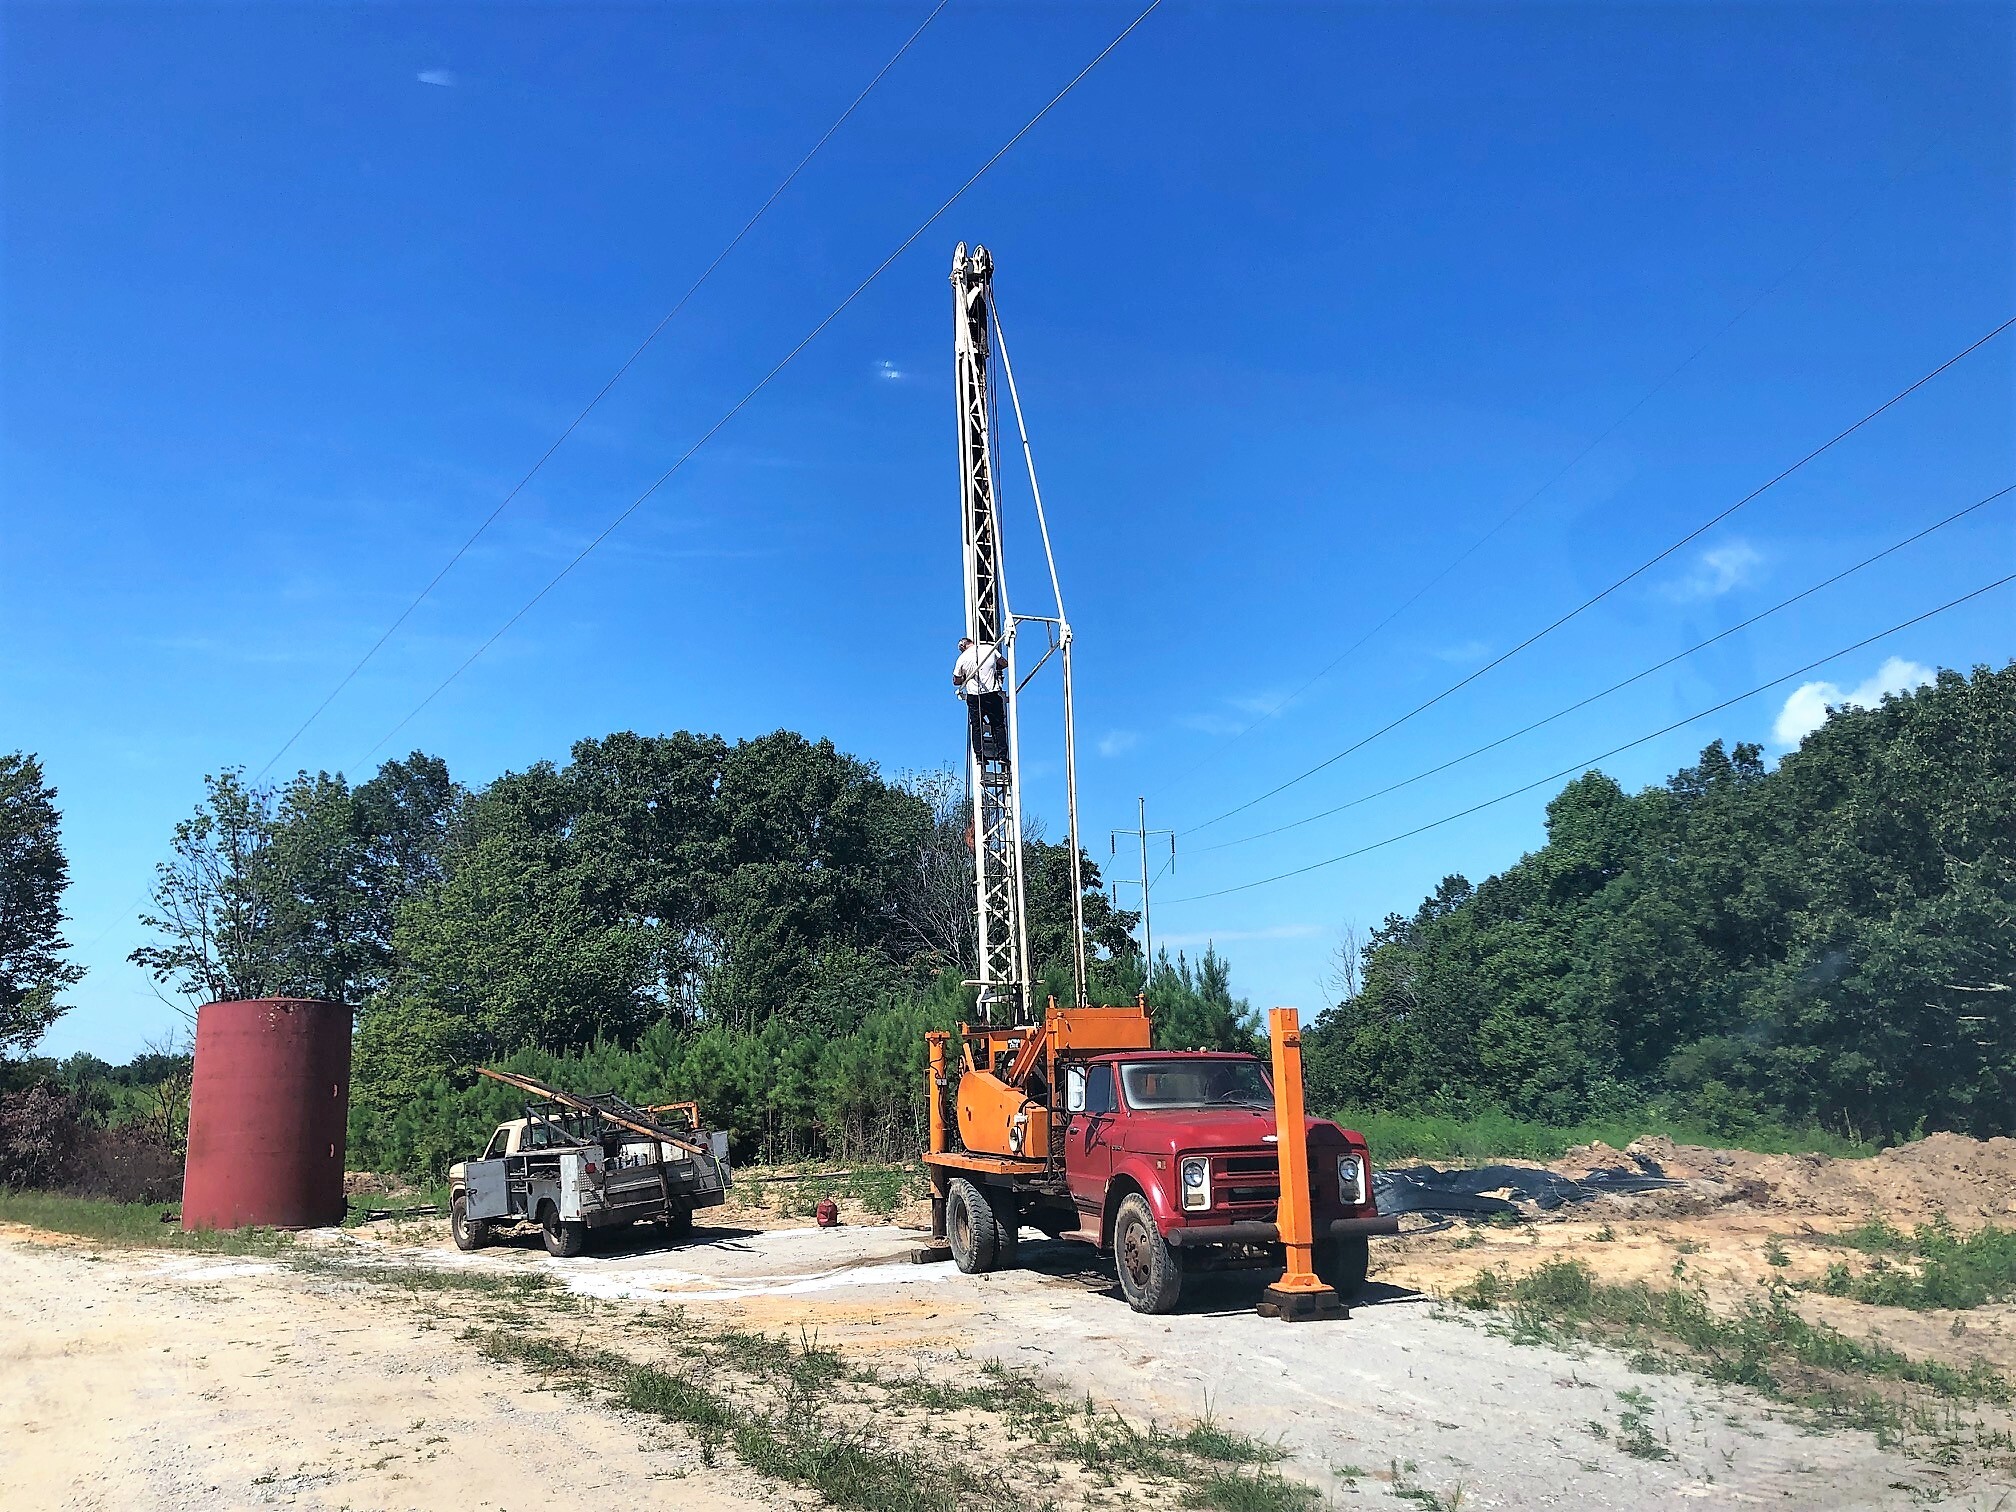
x=1246, y=1180
x=1249, y=1165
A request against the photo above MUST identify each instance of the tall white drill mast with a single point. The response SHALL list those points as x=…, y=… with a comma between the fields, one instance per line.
x=997, y=797
x=1005, y=980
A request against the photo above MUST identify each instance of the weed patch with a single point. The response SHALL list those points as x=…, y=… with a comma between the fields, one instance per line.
x=1942, y=1269
x=1252, y=1491
x=797, y=1444
x=1765, y=1346
x=132, y=1225
x=1829, y=1378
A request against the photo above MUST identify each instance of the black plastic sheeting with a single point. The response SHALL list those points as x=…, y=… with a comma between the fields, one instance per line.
x=1424, y=1189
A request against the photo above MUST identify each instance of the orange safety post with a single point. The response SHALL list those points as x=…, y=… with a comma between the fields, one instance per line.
x=1300, y=1294
x=934, y=1076
x=934, y=1097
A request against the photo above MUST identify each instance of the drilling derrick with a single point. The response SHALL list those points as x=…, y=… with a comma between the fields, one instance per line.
x=991, y=776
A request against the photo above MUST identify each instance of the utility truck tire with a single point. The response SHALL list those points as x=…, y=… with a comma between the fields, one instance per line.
x=1151, y=1273
x=563, y=1240
x=470, y=1233
x=678, y=1222
x=1007, y=1228
x=1341, y=1265
x=970, y=1227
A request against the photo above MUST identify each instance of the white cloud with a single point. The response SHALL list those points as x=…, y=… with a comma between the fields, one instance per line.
x=1118, y=742
x=1211, y=724
x=441, y=78
x=1462, y=651
x=887, y=369
x=1806, y=710
x=1718, y=570
x=1260, y=705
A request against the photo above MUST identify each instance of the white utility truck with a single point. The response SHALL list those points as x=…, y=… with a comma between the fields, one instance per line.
x=573, y=1163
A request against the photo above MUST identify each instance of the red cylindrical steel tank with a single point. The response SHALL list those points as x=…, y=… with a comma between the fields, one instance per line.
x=268, y=1104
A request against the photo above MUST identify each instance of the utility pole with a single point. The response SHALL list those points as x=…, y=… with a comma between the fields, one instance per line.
x=1141, y=833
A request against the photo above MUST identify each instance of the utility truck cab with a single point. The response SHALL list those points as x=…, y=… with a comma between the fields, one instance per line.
x=1168, y=1160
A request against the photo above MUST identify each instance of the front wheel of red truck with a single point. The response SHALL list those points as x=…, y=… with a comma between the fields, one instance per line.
x=1151, y=1273
x=1341, y=1265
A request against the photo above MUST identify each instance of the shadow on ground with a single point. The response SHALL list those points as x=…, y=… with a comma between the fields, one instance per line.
x=635, y=1239
x=1207, y=1293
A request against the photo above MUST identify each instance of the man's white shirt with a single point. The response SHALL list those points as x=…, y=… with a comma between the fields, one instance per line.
x=978, y=670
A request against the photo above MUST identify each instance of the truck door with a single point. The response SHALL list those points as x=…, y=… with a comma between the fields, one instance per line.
x=1091, y=1106
x=486, y=1189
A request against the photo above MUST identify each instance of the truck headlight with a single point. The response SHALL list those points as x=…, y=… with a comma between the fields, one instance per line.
x=1351, y=1179
x=1196, y=1177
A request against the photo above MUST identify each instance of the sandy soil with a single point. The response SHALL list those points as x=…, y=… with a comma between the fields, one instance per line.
x=152, y=1381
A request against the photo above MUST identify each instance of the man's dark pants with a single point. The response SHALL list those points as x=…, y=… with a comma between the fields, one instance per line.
x=988, y=717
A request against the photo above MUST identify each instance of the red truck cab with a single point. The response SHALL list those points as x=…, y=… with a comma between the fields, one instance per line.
x=1168, y=1160
x=1190, y=1137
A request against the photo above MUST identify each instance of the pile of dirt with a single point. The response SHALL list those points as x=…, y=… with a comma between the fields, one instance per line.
x=1971, y=1181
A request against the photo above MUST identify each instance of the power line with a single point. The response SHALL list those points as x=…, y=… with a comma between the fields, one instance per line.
x=764, y=382
x=1597, y=598
x=1223, y=747
x=1584, y=765
x=1804, y=593
x=603, y=392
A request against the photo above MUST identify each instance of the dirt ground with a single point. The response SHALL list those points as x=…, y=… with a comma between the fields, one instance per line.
x=140, y=1379
x=132, y=1380
x=1741, y=1222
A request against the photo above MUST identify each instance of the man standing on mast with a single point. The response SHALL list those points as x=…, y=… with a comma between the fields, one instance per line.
x=977, y=676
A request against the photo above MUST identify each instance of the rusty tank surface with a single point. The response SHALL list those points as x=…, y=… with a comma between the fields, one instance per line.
x=268, y=1104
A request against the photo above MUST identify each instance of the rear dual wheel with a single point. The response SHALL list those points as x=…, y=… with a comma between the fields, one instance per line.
x=563, y=1240
x=983, y=1226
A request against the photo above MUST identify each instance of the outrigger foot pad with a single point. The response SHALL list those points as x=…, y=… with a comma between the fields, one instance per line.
x=929, y=1254
x=1301, y=1306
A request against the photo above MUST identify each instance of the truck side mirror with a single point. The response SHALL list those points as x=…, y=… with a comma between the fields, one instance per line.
x=1074, y=1089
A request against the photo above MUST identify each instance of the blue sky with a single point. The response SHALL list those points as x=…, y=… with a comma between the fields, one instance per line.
x=1302, y=299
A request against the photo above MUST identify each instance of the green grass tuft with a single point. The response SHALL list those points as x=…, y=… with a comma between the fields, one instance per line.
x=1766, y=1346
x=1950, y=1271
x=1252, y=1491
x=132, y=1225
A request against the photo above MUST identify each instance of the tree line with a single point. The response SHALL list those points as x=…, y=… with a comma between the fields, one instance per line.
x=1832, y=941
x=770, y=925
x=767, y=926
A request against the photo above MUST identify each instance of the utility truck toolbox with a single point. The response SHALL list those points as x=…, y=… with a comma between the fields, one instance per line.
x=573, y=1163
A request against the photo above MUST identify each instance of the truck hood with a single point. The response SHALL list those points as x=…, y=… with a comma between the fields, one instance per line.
x=1171, y=1131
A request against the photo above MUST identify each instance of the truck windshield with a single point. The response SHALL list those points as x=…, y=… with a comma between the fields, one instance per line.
x=1195, y=1084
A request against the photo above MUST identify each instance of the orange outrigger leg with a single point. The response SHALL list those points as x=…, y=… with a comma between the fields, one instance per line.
x=1300, y=1294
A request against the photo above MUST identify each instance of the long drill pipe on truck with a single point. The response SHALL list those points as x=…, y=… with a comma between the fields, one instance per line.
x=582, y=1105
